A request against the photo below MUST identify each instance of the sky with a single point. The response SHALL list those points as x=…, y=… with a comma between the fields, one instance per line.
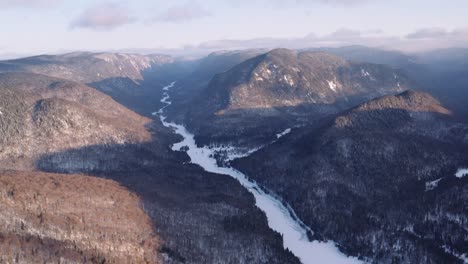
x=188, y=26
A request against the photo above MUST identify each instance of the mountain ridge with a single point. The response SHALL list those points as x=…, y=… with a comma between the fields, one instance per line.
x=285, y=88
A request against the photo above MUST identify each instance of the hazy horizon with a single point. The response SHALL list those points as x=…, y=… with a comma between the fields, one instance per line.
x=195, y=28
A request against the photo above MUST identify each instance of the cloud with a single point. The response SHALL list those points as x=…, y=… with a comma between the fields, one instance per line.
x=183, y=13
x=438, y=33
x=346, y=3
x=27, y=3
x=426, y=33
x=347, y=34
x=344, y=34
x=103, y=17
x=461, y=32
x=342, y=2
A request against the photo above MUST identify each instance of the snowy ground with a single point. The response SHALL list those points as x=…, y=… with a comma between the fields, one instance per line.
x=284, y=133
x=432, y=185
x=230, y=152
x=462, y=172
x=280, y=217
x=332, y=85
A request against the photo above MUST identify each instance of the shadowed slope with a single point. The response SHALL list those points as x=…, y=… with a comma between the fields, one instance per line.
x=362, y=179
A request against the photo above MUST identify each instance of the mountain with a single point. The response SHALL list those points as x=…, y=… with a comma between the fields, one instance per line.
x=200, y=74
x=284, y=88
x=53, y=218
x=41, y=114
x=361, y=162
x=221, y=61
x=87, y=67
x=445, y=77
x=452, y=59
x=378, y=179
x=395, y=59
x=442, y=73
x=128, y=78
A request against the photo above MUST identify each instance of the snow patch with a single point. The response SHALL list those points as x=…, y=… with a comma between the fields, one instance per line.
x=134, y=65
x=166, y=88
x=462, y=257
x=365, y=73
x=258, y=78
x=232, y=152
x=295, y=69
x=284, y=133
x=281, y=217
x=263, y=72
x=332, y=85
x=462, y=172
x=288, y=79
x=432, y=185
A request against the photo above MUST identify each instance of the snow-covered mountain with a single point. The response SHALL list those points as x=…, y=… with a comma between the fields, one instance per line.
x=285, y=88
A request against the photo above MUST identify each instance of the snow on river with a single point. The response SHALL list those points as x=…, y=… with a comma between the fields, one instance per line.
x=281, y=218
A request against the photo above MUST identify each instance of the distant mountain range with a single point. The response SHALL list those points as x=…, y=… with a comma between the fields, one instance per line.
x=86, y=67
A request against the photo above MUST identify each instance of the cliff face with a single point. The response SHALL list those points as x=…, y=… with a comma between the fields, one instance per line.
x=378, y=179
x=284, y=88
x=72, y=219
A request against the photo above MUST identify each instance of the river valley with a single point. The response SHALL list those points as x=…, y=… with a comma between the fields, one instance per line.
x=281, y=218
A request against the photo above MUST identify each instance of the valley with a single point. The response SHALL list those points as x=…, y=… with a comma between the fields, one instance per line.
x=64, y=128
x=281, y=218
x=234, y=132
x=252, y=156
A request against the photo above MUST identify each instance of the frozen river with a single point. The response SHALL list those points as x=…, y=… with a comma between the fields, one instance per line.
x=280, y=217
